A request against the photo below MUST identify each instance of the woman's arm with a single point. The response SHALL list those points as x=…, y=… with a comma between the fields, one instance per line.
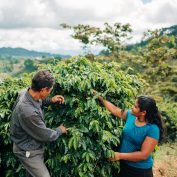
x=146, y=149
x=116, y=111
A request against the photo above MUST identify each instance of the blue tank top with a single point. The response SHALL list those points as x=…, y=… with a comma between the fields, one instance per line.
x=133, y=137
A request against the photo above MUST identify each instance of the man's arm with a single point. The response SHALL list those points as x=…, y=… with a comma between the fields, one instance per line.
x=54, y=99
x=35, y=127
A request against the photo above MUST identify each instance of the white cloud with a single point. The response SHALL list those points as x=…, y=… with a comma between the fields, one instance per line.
x=35, y=24
x=40, y=39
x=165, y=14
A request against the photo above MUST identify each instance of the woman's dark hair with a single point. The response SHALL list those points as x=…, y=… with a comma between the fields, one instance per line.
x=41, y=80
x=153, y=115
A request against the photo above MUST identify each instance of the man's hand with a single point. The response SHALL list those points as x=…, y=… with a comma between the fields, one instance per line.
x=116, y=157
x=63, y=129
x=58, y=98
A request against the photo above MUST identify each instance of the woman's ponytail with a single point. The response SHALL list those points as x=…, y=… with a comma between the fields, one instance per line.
x=153, y=115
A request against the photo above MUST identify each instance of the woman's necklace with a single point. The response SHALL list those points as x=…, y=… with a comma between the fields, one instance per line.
x=139, y=119
x=140, y=122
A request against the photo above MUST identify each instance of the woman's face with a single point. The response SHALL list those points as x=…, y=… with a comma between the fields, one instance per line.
x=135, y=109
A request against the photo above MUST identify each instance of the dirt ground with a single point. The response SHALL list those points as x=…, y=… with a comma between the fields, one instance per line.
x=166, y=161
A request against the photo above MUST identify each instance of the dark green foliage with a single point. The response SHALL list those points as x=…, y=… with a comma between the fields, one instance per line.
x=169, y=114
x=93, y=131
x=8, y=94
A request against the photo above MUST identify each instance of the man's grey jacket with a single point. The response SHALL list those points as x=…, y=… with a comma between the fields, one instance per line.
x=28, y=130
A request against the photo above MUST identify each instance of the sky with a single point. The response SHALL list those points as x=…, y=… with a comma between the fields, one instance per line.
x=35, y=24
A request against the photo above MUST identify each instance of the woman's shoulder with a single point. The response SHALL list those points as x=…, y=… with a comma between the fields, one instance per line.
x=152, y=126
x=153, y=131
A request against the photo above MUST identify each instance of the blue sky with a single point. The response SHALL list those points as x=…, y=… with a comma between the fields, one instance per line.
x=34, y=25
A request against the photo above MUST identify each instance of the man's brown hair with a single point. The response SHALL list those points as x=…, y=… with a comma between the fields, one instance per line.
x=41, y=80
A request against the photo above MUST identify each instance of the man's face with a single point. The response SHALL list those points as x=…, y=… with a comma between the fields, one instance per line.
x=45, y=92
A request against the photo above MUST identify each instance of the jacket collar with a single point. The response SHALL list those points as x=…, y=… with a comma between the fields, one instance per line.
x=36, y=103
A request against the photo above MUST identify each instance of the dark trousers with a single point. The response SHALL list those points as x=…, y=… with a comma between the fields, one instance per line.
x=128, y=171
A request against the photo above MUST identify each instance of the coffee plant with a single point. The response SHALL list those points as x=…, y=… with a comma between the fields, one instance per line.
x=8, y=94
x=93, y=134
x=93, y=131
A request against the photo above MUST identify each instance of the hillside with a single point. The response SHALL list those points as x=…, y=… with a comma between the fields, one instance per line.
x=8, y=51
x=172, y=30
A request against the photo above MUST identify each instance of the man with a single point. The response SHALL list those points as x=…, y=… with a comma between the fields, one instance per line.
x=28, y=130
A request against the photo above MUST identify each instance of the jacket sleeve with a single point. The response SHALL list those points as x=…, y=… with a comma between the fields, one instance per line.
x=46, y=102
x=37, y=129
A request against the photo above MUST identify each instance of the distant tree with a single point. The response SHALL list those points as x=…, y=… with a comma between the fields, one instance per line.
x=158, y=52
x=112, y=37
x=29, y=65
x=104, y=52
x=159, y=58
x=14, y=61
x=58, y=57
x=7, y=68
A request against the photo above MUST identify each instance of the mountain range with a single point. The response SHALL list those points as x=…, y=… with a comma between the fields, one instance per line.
x=8, y=51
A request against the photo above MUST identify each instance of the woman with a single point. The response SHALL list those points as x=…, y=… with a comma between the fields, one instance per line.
x=142, y=132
